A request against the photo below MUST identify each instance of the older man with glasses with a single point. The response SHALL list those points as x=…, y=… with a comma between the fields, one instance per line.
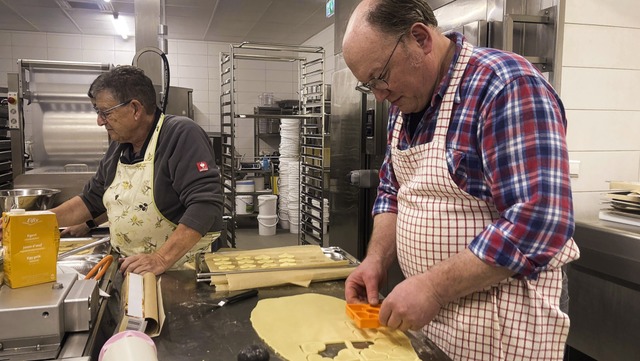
x=474, y=197
x=158, y=182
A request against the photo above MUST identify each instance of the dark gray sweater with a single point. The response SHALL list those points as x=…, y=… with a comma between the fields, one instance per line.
x=182, y=192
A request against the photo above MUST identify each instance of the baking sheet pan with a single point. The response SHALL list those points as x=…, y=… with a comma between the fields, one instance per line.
x=203, y=274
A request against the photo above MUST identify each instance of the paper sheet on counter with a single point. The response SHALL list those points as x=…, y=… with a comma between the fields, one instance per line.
x=145, y=301
x=303, y=278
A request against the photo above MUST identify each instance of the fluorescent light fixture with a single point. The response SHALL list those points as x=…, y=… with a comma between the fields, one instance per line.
x=107, y=1
x=120, y=25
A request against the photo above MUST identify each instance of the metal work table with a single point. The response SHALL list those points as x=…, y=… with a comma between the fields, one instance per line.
x=194, y=331
x=604, y=290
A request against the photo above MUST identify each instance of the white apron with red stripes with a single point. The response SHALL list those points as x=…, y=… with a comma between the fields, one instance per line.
x=513, y=320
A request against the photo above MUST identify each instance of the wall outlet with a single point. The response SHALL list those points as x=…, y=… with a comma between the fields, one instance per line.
x=574, y=168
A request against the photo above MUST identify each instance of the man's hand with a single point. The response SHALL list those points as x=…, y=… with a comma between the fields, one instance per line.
x=363, y=284
x=412, y=304
x=79, y=230
x=143, y=263
x=415, y=301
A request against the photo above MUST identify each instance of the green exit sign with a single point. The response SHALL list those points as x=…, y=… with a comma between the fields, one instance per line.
x=330, y=8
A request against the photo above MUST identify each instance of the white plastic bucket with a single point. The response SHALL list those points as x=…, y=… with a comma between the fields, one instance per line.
x=267, y=204
x=294, y=226
x=244, y=204
x=284, y=223
x=267, y=225
x=245, y=186
x=258, y=182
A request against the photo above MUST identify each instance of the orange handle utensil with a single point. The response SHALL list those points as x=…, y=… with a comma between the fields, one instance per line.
x=363, y=315
x=100, y=268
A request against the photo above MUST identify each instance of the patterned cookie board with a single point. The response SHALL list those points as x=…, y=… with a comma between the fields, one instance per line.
x=293, y=257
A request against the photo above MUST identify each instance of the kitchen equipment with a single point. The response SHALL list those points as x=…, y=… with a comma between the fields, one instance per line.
x=41, y=315
x=57, y=142
x=364, y=315
x=266, y=99
x=100, y=268
x=6, y=171
x=355, y=116
x=29, y=199
x=336, y=255
x=236, y=298
x=604, y=291
x=84, y=247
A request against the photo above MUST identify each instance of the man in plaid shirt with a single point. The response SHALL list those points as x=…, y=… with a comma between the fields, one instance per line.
x=474, y=197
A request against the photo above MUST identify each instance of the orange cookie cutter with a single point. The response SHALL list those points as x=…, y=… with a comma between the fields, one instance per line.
x=364, y=315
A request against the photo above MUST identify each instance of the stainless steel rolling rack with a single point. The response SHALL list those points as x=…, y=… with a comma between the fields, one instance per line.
x=313, y=146
x=310, y=62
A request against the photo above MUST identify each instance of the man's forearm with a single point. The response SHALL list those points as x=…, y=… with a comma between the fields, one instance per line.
x=463, y=274
x=178, y=244
x=72, y=212
x=382, y=244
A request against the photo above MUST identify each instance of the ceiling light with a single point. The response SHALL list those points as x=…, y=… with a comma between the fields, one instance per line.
x=120, y=25
x=107, y=1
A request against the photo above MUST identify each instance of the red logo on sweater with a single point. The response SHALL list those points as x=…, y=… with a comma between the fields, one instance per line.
x=202, y=166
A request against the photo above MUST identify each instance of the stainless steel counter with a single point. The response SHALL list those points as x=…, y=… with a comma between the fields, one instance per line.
x=193, y=331
x=604, y=290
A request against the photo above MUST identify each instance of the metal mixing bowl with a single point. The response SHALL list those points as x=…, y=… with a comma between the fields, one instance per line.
x=30, y=199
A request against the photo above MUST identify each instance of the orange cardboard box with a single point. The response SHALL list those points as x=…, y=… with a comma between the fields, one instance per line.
x=31, y=241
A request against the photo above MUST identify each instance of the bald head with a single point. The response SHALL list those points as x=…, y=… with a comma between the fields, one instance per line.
x=396, y=44
x=360, y=34
x=375, y=22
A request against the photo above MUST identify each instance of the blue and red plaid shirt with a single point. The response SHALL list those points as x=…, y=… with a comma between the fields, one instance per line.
x=505, y=145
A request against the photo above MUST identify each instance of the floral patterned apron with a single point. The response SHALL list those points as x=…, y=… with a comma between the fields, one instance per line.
x=512, y=320
x=135, y=223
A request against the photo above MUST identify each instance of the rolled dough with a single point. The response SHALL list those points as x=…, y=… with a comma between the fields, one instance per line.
x=298, y=328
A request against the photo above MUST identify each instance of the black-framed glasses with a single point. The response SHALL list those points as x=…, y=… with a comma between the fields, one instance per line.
x=104, y=114
x=378, y=83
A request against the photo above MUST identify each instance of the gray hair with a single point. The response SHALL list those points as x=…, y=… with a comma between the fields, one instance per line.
x=126, y=82
x=396, y=16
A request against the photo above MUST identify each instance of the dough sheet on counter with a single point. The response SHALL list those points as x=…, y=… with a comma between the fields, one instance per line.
x=300, y=327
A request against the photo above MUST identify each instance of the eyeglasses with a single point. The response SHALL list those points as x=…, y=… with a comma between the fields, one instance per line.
x=378, y=83
x=104, y=114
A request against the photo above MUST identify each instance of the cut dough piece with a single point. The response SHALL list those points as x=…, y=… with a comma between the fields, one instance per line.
x=292, y=325
x=347, y=355
x=220, y=263
x=245, y=261
x=313, y=347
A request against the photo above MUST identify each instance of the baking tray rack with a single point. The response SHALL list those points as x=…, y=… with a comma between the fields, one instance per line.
x=203, y=274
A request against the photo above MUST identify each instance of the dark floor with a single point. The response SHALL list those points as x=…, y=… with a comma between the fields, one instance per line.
x=249, y=238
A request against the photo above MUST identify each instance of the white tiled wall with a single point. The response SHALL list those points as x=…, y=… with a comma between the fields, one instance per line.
x=600, y=88
x=325, y=39
x=193, y=64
